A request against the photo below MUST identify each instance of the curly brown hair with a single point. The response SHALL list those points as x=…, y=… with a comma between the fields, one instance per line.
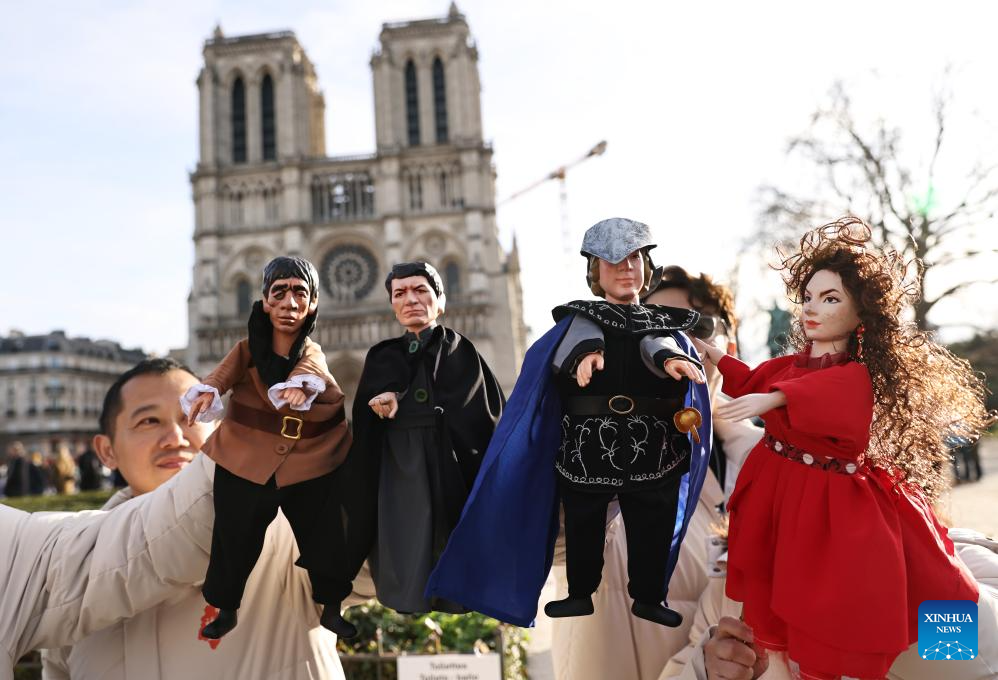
x=702, y=292
x=922, y=392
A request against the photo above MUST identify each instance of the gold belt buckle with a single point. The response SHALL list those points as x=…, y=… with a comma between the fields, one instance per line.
x=620, y=412
x=284, y=427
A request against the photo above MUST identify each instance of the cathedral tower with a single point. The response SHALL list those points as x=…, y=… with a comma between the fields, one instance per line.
x=264, y=187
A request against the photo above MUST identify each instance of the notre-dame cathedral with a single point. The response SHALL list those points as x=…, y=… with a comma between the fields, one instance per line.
x=264, y=187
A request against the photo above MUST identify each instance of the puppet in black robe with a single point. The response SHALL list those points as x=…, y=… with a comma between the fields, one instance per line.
x=406, y=478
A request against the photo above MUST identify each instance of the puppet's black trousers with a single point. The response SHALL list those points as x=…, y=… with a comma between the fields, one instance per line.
x=649, y=517
x=244, y=510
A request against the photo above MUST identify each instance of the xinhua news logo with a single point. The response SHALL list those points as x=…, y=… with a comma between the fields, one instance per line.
x=947, y=630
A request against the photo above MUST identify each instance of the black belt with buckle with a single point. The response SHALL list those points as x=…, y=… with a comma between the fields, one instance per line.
x=289, y=427
x=622, y=405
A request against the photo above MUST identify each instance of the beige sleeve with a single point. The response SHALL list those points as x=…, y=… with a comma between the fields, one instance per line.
x=86, y=571
x=55, y=665
x=688, y=664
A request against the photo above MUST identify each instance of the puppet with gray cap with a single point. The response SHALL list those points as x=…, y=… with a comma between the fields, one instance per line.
x=610, y=403
x=283, y=435
x=426, y=407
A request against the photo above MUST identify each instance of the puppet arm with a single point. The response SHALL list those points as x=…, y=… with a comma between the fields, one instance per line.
x=310, y=375
x=582, y=338
x=310, y=385
x=226, y=374
x=658, y=350
x=834, y=402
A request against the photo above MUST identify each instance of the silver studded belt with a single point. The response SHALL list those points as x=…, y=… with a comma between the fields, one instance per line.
x=841, y=465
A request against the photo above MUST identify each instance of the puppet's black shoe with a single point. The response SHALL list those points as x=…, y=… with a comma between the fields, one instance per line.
x=657, y=613
x=570, y=606
x=223, y=623
x=334, y=621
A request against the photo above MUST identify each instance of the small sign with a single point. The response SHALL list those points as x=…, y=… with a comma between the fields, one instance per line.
x=449, y=667
x=947, y=630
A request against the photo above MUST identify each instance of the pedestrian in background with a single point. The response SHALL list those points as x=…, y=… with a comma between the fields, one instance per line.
x=64, y=471
x=91, y=470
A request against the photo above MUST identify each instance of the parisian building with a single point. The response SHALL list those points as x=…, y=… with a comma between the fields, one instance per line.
x=264, y=186
x=52, y=387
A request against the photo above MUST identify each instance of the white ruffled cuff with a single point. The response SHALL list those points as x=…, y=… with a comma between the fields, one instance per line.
x=213, y=412
x=312, y=385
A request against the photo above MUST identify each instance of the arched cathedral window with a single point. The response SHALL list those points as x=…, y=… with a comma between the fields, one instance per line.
x=244, y=297
x=267, y=118
x=238, y=121
x=411, y=104
x=452, y=279
x=440, y=100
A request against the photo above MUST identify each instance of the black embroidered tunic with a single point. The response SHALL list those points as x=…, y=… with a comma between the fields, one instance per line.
x=609, y=451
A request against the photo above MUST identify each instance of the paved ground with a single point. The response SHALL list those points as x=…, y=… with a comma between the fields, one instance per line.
x=975, y=505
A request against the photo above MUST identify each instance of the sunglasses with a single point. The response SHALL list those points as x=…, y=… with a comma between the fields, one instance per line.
x=708, y=326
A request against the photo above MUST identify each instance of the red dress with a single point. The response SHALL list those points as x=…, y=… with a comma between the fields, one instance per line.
x=830, y=557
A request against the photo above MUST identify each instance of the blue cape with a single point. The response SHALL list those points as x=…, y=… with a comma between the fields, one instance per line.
x=499, y=555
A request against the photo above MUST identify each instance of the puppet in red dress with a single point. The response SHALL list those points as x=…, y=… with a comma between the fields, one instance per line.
x=832, y=542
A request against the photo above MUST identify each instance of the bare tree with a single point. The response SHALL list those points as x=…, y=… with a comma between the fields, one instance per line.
x=860, y=171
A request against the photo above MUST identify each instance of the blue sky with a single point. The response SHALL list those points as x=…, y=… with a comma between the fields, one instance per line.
x=99, y=112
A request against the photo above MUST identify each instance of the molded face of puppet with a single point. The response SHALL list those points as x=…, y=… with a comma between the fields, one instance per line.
x=828, y=313
x=151, y=439
x=622, y=282
x=415, y=304
x=287, y=303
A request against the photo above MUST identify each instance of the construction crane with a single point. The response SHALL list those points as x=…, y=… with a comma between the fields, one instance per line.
x=559, y=174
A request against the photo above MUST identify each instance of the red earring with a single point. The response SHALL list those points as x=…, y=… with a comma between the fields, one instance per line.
x=860, y=329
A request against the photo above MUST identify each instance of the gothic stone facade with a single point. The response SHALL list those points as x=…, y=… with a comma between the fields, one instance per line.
x=264, y=187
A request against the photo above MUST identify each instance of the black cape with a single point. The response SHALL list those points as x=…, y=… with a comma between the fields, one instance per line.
x=469, y=401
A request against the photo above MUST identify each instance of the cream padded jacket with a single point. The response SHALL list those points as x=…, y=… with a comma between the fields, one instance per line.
x=278, y=635
x=66, y=575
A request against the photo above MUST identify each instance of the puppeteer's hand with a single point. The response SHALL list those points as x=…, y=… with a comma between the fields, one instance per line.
x=677, y=369
x=200, y=404
x=708, y=351
x=588, y=364
x=386, y=405
x=750, y=405
x=295, y=396
x=730, y=654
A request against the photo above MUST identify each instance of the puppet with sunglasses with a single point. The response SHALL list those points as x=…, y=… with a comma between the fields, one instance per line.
x=283, y=435
x=609, y=403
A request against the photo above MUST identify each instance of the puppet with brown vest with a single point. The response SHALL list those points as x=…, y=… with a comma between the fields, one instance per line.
x=283, y=435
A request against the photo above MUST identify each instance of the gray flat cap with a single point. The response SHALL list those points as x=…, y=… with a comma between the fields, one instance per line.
x=616, y=238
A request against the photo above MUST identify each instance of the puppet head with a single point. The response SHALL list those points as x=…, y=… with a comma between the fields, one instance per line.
x=290, y=292
x=616, y=251
x=921, y=391
x=416, y=292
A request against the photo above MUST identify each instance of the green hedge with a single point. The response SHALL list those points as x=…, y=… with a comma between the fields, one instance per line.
x=399, y=633
x=85, y=500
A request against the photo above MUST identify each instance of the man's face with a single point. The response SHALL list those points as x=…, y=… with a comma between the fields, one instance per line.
x=622, y=282
x=288, y=304
x=721, y=338
x=415, y=304
x=151, y=440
